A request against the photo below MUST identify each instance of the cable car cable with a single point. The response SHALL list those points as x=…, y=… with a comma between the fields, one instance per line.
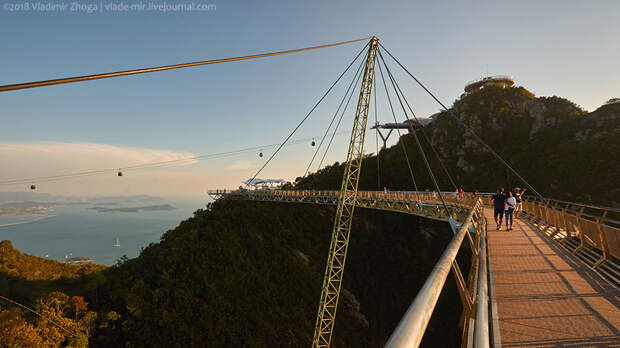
x=355, y=77
x=346, y=106
x=310, y=112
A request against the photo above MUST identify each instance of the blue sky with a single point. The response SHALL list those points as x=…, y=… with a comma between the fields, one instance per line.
x=564, y=48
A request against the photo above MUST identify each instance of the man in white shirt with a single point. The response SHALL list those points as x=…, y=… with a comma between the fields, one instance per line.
x=510, y=203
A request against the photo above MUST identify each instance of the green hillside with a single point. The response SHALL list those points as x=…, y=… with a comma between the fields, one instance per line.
x=563, y=151
x=242, y=274
x=53, y=289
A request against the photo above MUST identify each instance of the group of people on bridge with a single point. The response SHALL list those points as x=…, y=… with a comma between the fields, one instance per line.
x=507, y=204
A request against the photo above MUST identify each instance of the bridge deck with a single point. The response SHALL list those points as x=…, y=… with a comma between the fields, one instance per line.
x=545, y=296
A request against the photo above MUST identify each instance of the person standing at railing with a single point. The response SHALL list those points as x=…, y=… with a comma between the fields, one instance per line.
x=498, y=206
x=518, y=194
x=510, y=204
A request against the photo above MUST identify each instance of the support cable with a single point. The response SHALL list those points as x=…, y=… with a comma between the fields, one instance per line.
x=422, y=131
x=398, y=131
x=377, y=140
x=346, y=106
x=415, y=136
x=17, y=86
x=38, y=314
x=309, y=113
x=334, y=117
x=468, y=129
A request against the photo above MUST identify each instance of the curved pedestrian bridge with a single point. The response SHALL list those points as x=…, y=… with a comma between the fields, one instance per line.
x=543, y=295
x=552, y=281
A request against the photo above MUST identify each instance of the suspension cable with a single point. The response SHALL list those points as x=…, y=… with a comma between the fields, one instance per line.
x=398, y=131
x=467, y=128
x=359, y=68
x=346, y=107
x=17, y=86
x=309, y=113
x=423, y=132
x=415, y=136
x=374, y=85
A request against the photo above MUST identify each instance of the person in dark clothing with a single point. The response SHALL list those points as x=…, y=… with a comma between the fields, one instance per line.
x=498, y=207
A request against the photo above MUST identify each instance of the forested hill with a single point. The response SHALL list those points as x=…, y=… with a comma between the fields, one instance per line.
x=563, y=151
x=245, y=274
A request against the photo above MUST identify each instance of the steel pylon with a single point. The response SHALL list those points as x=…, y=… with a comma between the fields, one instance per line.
x=336, y=258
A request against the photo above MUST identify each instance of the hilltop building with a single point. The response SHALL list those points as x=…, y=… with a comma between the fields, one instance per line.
x=497, y=80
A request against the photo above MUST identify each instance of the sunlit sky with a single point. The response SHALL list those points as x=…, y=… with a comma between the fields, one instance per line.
x=564, y=48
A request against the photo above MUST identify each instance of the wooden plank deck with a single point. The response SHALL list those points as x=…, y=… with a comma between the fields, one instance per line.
x=545, y=296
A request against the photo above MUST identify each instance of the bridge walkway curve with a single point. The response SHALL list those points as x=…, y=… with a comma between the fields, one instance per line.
x=543, y=296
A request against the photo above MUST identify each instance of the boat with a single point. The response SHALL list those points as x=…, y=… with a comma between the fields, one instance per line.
x=78, y=260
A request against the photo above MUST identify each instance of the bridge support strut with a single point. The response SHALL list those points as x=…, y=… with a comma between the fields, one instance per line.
x=334, y=269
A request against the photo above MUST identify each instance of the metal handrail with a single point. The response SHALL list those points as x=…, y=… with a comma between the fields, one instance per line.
x=482, y=309
x=474, y=295
x=596, y=232
x=412, y=326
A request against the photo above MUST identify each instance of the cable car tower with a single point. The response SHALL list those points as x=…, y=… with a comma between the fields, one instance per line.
x=334, y=269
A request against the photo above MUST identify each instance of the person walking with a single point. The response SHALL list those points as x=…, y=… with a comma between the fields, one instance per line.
x=518, y=194
x=510, y=204
x=498, y=207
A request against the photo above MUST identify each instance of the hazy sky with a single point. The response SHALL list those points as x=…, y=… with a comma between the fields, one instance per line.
x=564, y=48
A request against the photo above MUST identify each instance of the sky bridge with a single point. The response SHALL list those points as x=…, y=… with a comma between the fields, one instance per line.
x=551, y=281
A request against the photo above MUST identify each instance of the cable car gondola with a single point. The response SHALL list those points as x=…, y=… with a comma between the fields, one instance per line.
x=260, y=154
x=313, y=143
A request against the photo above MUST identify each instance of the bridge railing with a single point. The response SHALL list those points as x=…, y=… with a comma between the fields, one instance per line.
x=473, y=292
x=427, y=204
x=590, y=232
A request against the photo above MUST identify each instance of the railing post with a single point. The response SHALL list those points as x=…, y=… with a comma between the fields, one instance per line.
x=603, y=239
x=580, y=232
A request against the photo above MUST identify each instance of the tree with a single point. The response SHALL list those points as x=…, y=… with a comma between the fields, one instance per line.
x=15, y=331
x=78, y=306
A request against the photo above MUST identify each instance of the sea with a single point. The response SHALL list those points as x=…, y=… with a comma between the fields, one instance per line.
x=77, y=230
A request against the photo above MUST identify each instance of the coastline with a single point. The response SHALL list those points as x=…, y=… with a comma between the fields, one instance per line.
x=47, y=216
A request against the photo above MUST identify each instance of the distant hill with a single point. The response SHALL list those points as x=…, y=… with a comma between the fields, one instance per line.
x=51, y=288
x=32, y=268
x=563, y=151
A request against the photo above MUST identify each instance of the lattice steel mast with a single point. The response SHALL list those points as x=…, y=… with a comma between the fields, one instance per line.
x=334, y=269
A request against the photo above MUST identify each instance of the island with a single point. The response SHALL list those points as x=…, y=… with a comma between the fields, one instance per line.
x=159, y=207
